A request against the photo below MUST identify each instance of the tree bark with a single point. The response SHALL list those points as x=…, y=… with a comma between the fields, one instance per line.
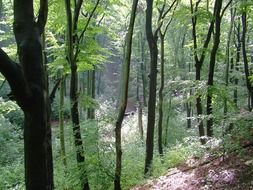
x=245, y=60
x=139, y=102
x=216, y=42
x=28, y=85
x=152, y=42
x=71, y=40
x=123, y=97
x=61, y=121
x=199, y=60
x=160, y=119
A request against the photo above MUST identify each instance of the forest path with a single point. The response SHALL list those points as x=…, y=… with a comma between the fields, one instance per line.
x=232, y=172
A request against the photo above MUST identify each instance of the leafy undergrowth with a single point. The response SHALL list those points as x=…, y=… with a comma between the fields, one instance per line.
x=233, y=171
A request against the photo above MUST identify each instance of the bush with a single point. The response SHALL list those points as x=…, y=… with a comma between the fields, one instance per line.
x=16, y=117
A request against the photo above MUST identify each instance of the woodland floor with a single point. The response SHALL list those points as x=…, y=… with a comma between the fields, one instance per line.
x=231, y=172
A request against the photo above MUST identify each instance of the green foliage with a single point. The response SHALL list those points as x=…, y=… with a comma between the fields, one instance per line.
x=7, y=106
x=11, y=153
x=56, y=106
x=12, y=176
x=239, y=132
x=11, y=111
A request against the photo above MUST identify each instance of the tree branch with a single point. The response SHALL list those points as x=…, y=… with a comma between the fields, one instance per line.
x=163, y=15
x=14, y=75
x=77, y=13
x=167, y=26
x=43, y=13
x=225, y=8
x=52, y=94
x=88, y=21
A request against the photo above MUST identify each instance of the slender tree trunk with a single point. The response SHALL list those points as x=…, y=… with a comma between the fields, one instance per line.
x=188, y=114
x=152, y=42
x=143, y=71
x=199, y=111
x=245, y=60
x=139, y=102
x=61, y=121
x=209, y=109
x=167, y=125
x=235, y=66
x=123, y=97
x=72, y=25
x=199, y=60
x=91, y=92
x=228, y=57
x=160, y=119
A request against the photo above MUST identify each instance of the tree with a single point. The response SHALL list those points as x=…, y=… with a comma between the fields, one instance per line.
x=218, y=14
x=152, y=43
x=152, y=38
x=72, y=53
x=162, y=34
x=199, y=60
x=123, y=96
x=244, y=55
x=28, y=84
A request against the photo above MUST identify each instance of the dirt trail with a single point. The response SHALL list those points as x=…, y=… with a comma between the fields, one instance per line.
x=208, y=173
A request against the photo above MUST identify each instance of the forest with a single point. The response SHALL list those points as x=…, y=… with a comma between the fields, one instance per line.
x=120, y=94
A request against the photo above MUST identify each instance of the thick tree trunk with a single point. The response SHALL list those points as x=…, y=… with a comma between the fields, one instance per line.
x=123, y=97
x=30, y=92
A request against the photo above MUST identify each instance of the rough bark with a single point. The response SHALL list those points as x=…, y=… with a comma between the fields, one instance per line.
x=28, y=84
x=123, y=97
x=152, y=43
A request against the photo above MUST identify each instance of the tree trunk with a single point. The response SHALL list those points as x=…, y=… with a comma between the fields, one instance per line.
x=61, y=121
x=228, y=56
x=91, y=93
x=139, y=102
x=199, y=60
x=143, y=71
x=71, y=38
x=152, y=42
x=209, y=109
x=199, y=110
x=245, y=60
x=160, y=119
x=28, y=85
x=123, y=97
x=237, y=42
